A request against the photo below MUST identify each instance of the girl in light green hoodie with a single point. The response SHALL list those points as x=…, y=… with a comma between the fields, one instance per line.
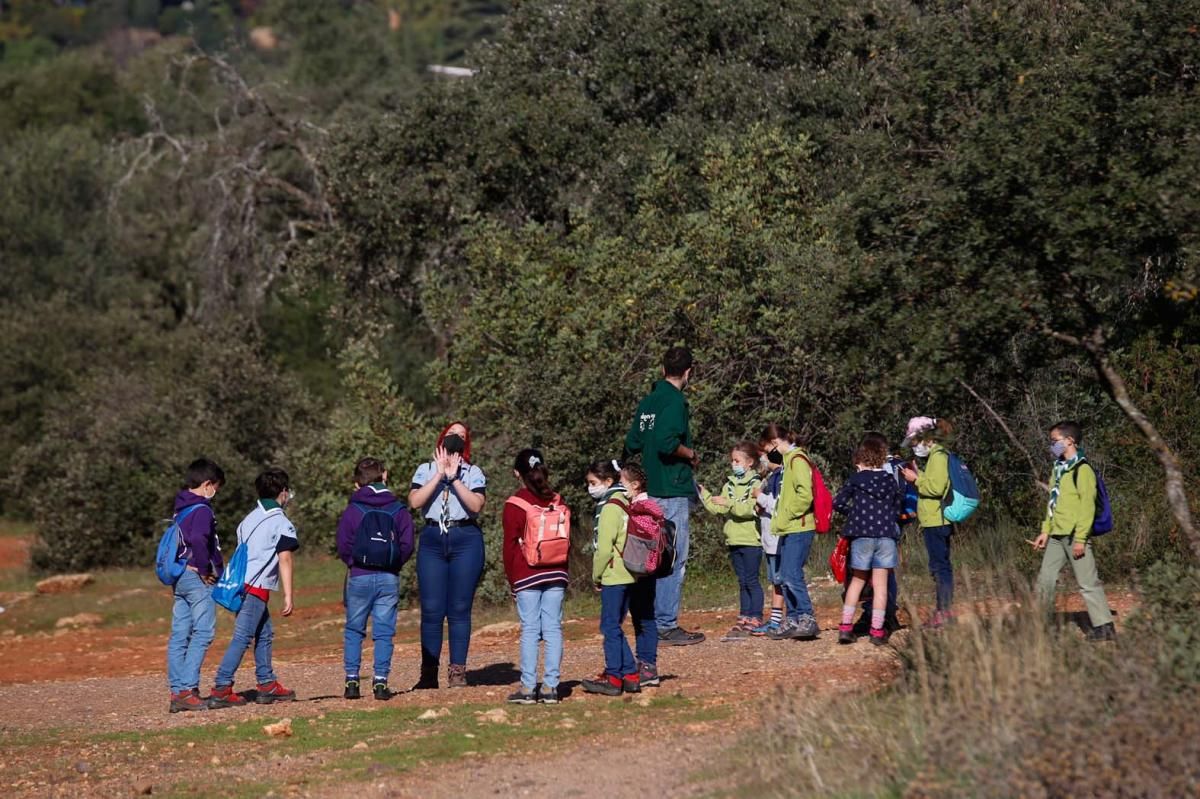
x=737, y=503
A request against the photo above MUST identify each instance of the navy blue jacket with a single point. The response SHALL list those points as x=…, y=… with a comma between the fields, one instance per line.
x=870, y=501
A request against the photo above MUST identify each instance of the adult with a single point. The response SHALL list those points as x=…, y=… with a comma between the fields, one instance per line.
x=450, y=491
x=660, y=432
x=927, y=438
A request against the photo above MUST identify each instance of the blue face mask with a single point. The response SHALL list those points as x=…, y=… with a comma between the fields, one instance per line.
x=1057, y=448
x=739, y=470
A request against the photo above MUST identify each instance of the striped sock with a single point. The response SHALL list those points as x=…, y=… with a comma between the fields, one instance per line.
x=776, y=615
x=847, y=614
x=877, y=619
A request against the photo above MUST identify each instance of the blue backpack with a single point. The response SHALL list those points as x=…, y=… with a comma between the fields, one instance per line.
x=170, y=562
x=1103, y=523
x=962, y=499
x=375, y=543
x=230, y=590
x=908, y=492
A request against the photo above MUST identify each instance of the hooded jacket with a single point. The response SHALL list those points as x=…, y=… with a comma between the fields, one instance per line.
x=375, y=495
x=199, y=531
x=741, y=517
x=870, y=500
x=659, y=427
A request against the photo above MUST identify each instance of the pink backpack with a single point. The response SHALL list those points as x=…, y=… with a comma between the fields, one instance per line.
x=547, y=537
x=649, y=539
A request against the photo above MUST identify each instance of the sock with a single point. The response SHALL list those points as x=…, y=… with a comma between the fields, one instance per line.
x=776, y=615
x=847, y=614
x=877, y=619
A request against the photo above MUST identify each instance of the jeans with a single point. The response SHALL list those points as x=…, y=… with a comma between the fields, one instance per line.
x=937, y=544
x=793, y=554
x=540, y=611
x=746, y=562
x=773, y=576
x=376, y=595
x=252, y=626
x=1058, y=554
x=636, y=599
x=448, y=570
x=193, y=625
x=669, y=591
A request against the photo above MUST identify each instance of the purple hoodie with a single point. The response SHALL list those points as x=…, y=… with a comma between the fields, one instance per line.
x=375, y=495
x=200, y=534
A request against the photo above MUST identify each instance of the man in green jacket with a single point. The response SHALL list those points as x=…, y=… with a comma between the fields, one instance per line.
x=1067, y=528
x=660, y=432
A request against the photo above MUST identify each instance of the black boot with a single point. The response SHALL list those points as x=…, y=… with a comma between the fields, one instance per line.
x=1105, y=632
x=429, y=674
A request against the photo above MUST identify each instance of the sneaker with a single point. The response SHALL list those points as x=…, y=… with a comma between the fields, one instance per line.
x=631, y=683
x=223, y=696
x=738, y=632
x=187, y=700
x=845, y=633
x=679, y=637
x=548, y=696
x=605, y=685
x=525, y=696
x=1105, y=632
x=879, y=637
x=807, y=628
x=352, y=691
x=381, y=690
x=648, y=675
x=274, y=691
x=456, y=676
x=784, y=631
x=765, y=630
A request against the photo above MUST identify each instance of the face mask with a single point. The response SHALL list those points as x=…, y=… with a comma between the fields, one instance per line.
x=921, y=450
x=1057, y=448
x=454, y=444
x=775, y=457
x=597, y=492
x=739, y=470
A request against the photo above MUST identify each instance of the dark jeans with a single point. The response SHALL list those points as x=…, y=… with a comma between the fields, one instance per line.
x=793, y=554
x=448, y=571
x=937, y=544
x=636, y=599
x=747, y=561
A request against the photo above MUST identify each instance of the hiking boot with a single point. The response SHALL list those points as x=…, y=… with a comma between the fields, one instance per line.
x=765, y=630
x=648, y=675
x=187, y=700
x=223, y=696
x=274, y=691
x=787, y=629
x=1105, y=632
x=429, y=677
x=456, y=676
x=879, y=636
x=525, y=696
x=807, y=628
x=604, y=684
x=678, y=636
x=548, y=696
x=846, y=633
x=352, y=690
x=631, y=683
x=381, y=690
x=739, y=631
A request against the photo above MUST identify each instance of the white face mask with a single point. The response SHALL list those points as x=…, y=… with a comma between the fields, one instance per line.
x=921, y=450
x=597, y=492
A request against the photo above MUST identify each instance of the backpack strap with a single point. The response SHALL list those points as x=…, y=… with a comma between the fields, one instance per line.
x=178, y=522
x=250, y=534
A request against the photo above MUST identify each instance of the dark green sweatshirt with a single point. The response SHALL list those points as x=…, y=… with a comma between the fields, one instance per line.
x=659, y=427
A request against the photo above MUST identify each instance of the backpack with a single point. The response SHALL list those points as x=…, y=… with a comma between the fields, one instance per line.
x=1103, y=523
x=962, y=499
x=909, y=494
x=649, y=549
x=170, y=562
x=547, y=537
x=822, y=507
x=375, y=542
x=230, y=590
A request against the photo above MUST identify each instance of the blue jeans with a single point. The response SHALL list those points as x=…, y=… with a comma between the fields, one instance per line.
x=448, y=570
x=746, y=562
x=937, y=544
x=376, y=595
x=252, y=626
x=540, y=611
x=636, y=599
x=669, y=591
x=793, y=554
x=193, y=625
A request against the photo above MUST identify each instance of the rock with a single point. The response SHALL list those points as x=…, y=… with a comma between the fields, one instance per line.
x=360, y=745
x=280, y=729
x=216, y=761
x=191, y=744
x=431, y=714
x=79, y=620
x=143, y=788
x=643, y=701
x=500, y=627
x=496, y=715
x=64, y=583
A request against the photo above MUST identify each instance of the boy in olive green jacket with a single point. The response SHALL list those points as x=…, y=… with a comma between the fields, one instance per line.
x=1067, y=528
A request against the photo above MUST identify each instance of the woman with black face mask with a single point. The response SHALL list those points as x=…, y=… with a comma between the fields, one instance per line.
x=450, y=491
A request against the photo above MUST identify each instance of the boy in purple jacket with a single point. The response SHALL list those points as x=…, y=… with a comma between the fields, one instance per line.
x=194, y=617
x=374, y=538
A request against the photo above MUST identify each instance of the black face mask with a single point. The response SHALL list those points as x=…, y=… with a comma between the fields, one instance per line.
x=775, y=457
x=454, y=444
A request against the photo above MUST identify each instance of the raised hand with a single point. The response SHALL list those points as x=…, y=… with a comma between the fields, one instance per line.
x=453, y=461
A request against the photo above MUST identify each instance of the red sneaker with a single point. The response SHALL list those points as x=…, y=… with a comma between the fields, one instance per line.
x=223, y=696
x=274, y=692
x=187, y=700
x=631, y=683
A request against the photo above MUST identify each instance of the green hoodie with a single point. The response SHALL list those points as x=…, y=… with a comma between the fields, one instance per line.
x=659, y=427
x=608, y=567
x=741, y=528
x=933, y=483
x=794, y=508
x=1075, y=511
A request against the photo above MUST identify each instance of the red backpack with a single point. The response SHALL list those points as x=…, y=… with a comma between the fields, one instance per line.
x=547, y=537
x=822, y=507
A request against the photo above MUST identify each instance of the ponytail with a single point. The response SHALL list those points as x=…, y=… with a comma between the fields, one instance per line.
x=534, y=473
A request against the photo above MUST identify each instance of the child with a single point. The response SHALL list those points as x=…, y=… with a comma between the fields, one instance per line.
x=1067, y=528
x=620, y=593
x=194, y=617
x=891, y=621
x=736, y=501
x=372, y=590
x=871, y=501
x=795, y=523
x=538, y=590
x=271, y=539
x=766, y=495
x=927, y=437
x=603, y=483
